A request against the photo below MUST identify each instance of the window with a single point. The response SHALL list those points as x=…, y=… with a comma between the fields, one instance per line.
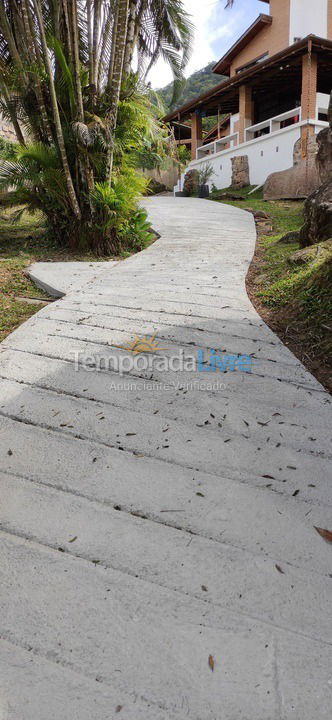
x=252, y=63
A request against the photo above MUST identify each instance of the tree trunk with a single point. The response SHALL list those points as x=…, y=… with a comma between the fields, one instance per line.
x=116, y=79
x=130, y=40
x=34, y=56
x=5, y=27
x=89, y=21
x=56, y=114
x=113, y=44
x=76, y=58
x=95, y=37
x=67, y=25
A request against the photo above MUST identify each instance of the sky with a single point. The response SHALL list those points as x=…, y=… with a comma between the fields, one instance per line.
x=216, y=29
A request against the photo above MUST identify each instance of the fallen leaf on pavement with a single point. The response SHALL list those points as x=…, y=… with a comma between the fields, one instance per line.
x=211, y=663
x=326, y=534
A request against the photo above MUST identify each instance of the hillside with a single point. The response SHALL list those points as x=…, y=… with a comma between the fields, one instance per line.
x=198, y=83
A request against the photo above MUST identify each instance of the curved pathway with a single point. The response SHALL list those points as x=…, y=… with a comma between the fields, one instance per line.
x=158, y=553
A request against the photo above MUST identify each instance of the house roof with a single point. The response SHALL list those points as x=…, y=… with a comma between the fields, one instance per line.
x=223, y=65
x=261, y=72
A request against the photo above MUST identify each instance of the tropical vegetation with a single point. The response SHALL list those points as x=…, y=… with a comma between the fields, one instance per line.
x=82, y=114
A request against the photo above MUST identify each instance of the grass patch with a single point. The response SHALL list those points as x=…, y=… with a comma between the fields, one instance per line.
x=294, y=299
x=23, y=242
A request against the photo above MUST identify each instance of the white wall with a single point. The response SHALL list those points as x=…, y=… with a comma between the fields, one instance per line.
x=264, y=157
x=307, y=17
x=267, y=154
x=322, y=102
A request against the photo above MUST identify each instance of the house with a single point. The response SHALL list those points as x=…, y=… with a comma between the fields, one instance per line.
x=275, y=96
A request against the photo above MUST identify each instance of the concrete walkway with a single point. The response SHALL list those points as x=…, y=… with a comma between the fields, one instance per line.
x=60, y=278
x=158, y=553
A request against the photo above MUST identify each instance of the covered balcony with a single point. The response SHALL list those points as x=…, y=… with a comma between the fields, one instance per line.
x=270, y=107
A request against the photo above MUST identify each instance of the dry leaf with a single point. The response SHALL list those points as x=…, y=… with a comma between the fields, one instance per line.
x=211, y=663
x=326, y=534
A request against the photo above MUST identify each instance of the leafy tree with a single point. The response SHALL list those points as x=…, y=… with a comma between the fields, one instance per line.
x=81, y=115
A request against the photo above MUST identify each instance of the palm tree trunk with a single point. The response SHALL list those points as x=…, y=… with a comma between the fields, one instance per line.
x=130, y=40
x=116, y=79
x=5, y=27
x=89, y=24
x=67, y=23
x=106, y=37
x=95, y=37
x=113, y=46
x=83, y=164
x=34, y=57
x=56, y=114
x=76, y=58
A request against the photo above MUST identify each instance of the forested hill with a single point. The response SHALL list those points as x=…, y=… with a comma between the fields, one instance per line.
x=198, y=83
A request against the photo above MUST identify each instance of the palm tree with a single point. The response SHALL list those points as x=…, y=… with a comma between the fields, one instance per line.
x=65, y=71
x=159, y=28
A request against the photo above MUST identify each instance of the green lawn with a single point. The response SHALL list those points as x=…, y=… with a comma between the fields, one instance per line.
x=22, y=243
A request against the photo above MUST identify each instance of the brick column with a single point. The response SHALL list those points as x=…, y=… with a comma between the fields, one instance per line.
x=308, y=98
x=196, y=134
x=246, y=113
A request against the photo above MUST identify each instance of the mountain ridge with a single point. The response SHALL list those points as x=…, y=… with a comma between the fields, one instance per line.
x=196, y=84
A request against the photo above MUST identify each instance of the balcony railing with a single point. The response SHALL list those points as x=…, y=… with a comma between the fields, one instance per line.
x=217, y=146
x=273, y=124
x=266, y=127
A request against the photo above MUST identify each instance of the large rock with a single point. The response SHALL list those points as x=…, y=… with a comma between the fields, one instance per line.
x=318, y=207
x=324, y=155
x=320, y=251
x=298, y=181
x=318, y=216
x=240, y=171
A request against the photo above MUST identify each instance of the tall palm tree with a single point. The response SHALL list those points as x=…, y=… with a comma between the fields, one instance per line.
x=63, y=64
